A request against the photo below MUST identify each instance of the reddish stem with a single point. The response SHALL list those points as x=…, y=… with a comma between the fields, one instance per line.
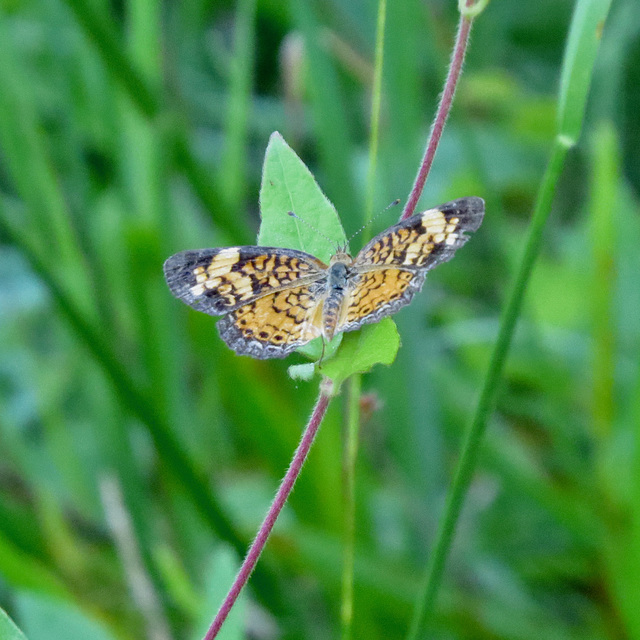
x=462, y=39
x=274, y=510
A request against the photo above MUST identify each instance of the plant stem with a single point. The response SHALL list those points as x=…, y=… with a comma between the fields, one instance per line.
x=376, y=99
x=459, y=51
x=349, y=514
x=471, y=446
x=579, y=58
x=355, y=382
x=286, y=486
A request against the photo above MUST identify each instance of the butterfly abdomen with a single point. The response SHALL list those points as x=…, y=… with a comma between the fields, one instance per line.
x=337, y=282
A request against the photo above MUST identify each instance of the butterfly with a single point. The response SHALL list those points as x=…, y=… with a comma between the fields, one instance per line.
x=275, y=300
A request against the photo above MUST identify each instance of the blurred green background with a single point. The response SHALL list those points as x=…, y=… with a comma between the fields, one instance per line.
x=138, y=454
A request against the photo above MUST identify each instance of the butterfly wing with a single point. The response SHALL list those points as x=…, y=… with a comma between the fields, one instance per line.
x=269, y=298
x=275, y=324
x=217, y=281
x=392, y=267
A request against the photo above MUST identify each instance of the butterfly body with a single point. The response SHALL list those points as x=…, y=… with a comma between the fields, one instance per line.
x=274, y=300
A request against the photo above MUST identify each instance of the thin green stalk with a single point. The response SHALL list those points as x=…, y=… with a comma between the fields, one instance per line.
x=470, y=448
x=350, y=456
x=234, y=164
x=376, y=99
x=355, y=382
x=582, y=45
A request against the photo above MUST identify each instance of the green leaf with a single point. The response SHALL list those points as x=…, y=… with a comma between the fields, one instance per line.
x=361, y=350
x=8, y=630
x=46, y=618
x=287, y=185
x=314, y=350
x=580, y=55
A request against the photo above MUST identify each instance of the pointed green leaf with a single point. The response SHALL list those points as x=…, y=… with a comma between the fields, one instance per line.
x=287, y=185
x=361, y=350
x=8, y=630
x=580, y=55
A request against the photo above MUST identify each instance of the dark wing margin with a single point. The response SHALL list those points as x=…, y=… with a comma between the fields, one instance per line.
x=424, y=240
x=216, y=281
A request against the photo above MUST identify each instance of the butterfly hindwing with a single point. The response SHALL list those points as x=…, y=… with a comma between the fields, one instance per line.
x=275, y=324
x=379, y=293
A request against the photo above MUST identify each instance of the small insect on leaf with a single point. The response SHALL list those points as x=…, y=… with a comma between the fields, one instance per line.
x=275, y=299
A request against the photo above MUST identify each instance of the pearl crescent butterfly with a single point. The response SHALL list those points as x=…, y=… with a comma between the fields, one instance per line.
x=274, y=300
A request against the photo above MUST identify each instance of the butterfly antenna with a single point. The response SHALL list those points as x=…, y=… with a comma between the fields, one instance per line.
x=368, y=222
x=322, y=235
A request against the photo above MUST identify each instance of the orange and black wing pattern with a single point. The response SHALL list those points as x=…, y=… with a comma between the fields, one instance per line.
x=392, y=267
x=275, y=324
x=217, y=281
x=267, y=296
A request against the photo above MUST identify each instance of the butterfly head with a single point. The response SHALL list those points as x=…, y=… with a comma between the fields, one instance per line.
x=342, y=256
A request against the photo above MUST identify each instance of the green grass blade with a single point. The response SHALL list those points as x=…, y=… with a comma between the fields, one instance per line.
x=25, y=149
x=603, y=246
x=25, y=571
x=101, y=31
x=576, y=80
x=580, y=55
x=331, y=126
x=232, y=171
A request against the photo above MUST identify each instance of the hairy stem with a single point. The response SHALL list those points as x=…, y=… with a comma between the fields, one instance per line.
x=286, y=486
x=446, y=99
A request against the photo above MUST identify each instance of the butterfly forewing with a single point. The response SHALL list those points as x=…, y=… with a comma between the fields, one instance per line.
x=217, y=281
x=425, y=239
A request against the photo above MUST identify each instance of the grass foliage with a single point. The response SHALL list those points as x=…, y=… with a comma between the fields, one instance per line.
x=139, y=454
